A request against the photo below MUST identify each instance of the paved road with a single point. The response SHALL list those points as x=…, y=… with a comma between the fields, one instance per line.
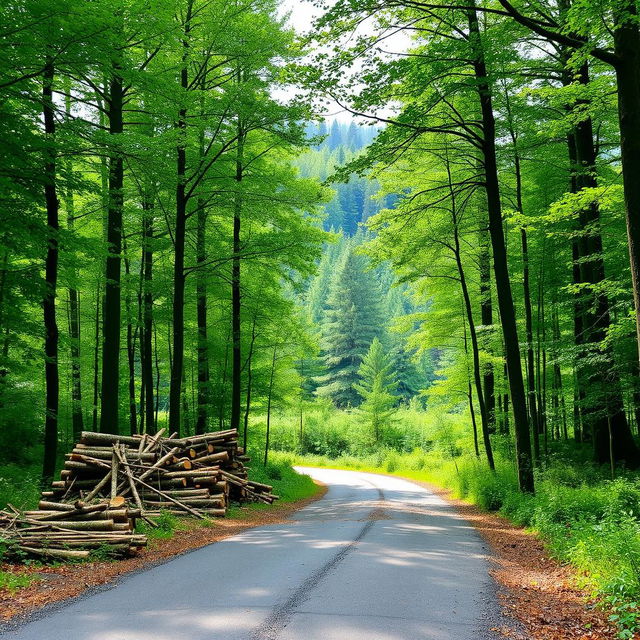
x=378, y=558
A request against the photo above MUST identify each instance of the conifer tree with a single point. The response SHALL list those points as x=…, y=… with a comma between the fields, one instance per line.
x=376, y=389
x=351, y=323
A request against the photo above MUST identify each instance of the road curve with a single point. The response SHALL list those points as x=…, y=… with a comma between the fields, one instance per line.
x=378, y=558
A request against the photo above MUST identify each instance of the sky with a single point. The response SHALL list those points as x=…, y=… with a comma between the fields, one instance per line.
x=302, y=15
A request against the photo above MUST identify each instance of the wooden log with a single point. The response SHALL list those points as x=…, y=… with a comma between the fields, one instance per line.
x=154, y=440
x=83, y=525
x=180, y=463
x=91, y=437
x=56, y=553
x=192, y=502
x=204, y=481
x=168, y=483
x=169, y=498
x=213, y=435
x=55, y=506
x=207, y=512
x=206, y=471
x=223, y=456
x=156, y=465
x=80, y=454
x=260, y=485
x=178, y=493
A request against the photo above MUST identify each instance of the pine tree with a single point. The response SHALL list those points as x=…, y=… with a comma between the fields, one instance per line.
x=352, y=321
x=377, y=387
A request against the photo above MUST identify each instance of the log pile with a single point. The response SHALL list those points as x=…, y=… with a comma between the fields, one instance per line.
x=108, y=481
x=72, y=531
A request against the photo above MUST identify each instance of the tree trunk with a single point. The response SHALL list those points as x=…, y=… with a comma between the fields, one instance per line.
x=201, y=304
x=626, y=39
x=51, y=278
x=269, y=397
x=146, y=337
x=77, y=419
x=486, y=317
x=111, y=309
x=249, y=383
x=96, y=362
x=236, y=366
x=475, y=350
x=131, y=348
x=503, y=283
x=603, y=413
x=531, y=379
x=177, y=365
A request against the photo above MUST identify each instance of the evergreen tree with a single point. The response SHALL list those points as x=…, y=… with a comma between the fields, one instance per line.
x=376, y=389
x=352, y=321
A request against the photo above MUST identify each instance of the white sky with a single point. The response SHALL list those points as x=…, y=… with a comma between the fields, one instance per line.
x=302, y=15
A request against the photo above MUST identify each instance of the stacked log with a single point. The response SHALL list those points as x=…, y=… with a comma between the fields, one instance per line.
x=196, y=476
x=72, y=531
x=108, y=481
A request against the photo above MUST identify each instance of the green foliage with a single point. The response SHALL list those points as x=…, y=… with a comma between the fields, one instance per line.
x=19, y=486
x=352, y=320
x=12, y=581
x=376, y=388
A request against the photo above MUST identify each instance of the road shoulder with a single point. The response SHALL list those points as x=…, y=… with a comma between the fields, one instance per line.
x=534, y=589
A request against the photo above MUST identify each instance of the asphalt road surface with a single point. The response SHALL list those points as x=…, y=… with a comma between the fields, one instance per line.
x=378, y=558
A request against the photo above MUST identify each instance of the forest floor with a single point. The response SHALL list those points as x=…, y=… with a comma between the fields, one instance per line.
x=61, y=582
x=536, y=590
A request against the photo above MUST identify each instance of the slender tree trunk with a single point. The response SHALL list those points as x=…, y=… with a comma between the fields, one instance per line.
x=472, y=411
x=131, y=348
x=146, y=337
x=223, y=388
x=179, y=237
x=247, y=410
x=503, y=283
x=52, y=381
x=269, y=397
x=486, y=317
x=77, y=419
x=475, y=349
x=96, y=362
x=109, y=417
x=236, y=370
x=4, y=327
x=201, y=304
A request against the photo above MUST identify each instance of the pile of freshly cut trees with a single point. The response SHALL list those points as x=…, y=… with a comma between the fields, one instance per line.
x=110, y=480
x=63, y=530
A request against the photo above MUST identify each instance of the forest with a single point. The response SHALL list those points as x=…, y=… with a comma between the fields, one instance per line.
x=402, y=237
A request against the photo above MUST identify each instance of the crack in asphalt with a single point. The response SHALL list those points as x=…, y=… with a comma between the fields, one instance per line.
x=280, y=616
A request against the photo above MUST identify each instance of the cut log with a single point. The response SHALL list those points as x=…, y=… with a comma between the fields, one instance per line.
x=223, y=456
x=91, y=437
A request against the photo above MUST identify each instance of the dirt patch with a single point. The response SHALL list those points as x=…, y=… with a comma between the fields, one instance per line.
x=67, y=581
x=536, y=590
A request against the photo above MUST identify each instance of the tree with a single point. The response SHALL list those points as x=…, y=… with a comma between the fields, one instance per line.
x=352, y=321
x=376, y=389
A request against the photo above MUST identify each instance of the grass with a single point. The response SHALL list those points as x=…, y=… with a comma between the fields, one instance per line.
x=12, y=582
x=19, y=486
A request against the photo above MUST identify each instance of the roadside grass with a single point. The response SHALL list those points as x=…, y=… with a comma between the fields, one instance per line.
x=585, y=519
x=12, y=581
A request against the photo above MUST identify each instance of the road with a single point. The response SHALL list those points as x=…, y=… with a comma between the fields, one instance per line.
x=378, y=558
